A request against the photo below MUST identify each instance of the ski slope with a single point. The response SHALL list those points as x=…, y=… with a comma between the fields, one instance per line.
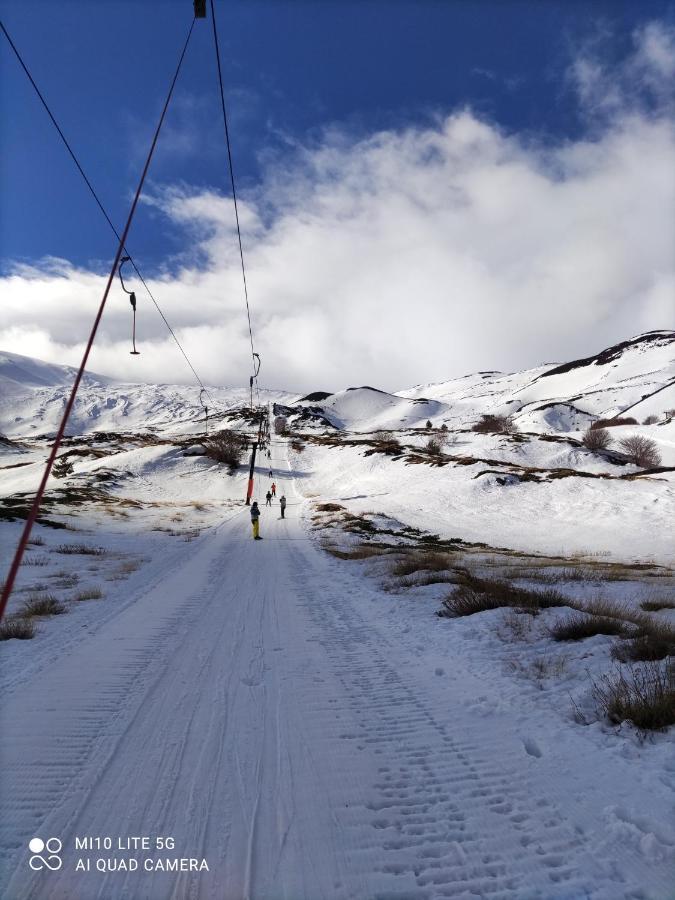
x=255, y=702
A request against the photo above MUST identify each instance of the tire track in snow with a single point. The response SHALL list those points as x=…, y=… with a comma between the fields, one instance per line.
x=448, y=808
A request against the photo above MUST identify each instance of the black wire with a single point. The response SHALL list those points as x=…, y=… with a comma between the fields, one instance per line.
x=234, y=192
x=99, y=203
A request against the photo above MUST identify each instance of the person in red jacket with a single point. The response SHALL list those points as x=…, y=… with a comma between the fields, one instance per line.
x=274, y=489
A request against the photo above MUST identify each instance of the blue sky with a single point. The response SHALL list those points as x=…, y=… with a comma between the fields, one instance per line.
x=291, y=68
x=310, y=86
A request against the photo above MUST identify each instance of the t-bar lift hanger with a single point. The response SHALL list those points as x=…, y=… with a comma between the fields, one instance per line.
x=132, y=300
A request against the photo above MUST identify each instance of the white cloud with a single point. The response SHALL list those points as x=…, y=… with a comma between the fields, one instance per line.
x=405, y=257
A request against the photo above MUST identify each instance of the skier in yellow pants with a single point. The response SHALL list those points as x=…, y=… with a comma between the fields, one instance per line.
x=255, y=520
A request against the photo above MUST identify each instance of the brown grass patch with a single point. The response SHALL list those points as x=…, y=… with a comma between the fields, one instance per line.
x=577, y=627
x=479, y=594
x=42, y=605
x=644, y=695
x=18, y=629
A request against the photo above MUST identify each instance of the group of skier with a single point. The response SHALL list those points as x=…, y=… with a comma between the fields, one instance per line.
x=255, y=510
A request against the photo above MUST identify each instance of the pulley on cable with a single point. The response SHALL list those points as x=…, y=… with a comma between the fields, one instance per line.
x=255, y=374
x=132, y=300
x=206, y=411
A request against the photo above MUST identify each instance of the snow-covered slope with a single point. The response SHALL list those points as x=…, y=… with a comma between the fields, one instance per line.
x=637, y=375
x=33, y=395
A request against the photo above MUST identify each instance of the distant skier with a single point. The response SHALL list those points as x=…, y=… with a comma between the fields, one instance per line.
x=268, y=498
x=274, y=489
x=255, y=520
x=282, y=504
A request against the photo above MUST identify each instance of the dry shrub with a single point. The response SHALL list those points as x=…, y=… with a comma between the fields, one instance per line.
x=596, y=439
x=641, y=451
x=490, y=424
x=297, y=446
x=42, y=605
x=20, y=629
x=577, y=627
x=89, y=594
x=654, y=640
x=657, y=605
x=612, y=423
x=421, y=561
x=480, y=594
x=516, y=625
x=540, y=668
x=644, y=695
x=36, y=542
x=40, y=560
x=651, y=420
x=80, y=549
x=329, y=507
x=226, y=447
x=435, y=444
x=385, y=442
x=363, y=551
x=281, y=425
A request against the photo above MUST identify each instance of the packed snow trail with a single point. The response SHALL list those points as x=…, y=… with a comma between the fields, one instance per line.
x=249, y=704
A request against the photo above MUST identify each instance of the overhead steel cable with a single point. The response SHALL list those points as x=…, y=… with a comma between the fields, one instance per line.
x=234, y=191
x=99, y=203
x=32, y=515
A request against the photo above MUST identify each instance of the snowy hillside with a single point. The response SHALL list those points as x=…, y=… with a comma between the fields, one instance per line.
x=397, y=693
x=636, y=376
x=33, y=394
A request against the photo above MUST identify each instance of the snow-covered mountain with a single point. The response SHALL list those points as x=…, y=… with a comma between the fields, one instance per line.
x=33, y=394
x=636, y=376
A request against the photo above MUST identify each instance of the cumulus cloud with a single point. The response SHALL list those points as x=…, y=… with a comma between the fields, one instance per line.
x=406, y=256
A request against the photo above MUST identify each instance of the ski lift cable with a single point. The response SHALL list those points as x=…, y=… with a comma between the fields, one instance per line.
x=234, y=195
x=99, y=203
x=32, y=515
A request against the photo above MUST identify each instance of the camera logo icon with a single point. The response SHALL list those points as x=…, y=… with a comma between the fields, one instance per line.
x=51, y=860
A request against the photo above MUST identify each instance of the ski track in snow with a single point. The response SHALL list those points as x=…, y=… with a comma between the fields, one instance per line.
x=245, y=702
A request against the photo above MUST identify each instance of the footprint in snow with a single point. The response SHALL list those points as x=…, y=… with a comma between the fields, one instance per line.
x=532, y=747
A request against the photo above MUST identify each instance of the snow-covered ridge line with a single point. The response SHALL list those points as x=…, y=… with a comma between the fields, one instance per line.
x=636, y=374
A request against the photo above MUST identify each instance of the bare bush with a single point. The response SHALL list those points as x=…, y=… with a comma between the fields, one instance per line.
x=89, y=594
x=363, y=551
x=612, y=423
x=20, y=629
x=578, y=627
x=490, y=424
x=422, y=561
x=297, y=446
x=80, y=549
x=654, y=640
x=329, y=507
x=641, y=451
x=226, y=447
x=40, y=560
x=657, y=605
x=42, y=605
x=651, y=420
x=281, y=425
x=435, y=444
x=386, y=442
x=644, y=696
x=479, y=594
x=596, y=439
